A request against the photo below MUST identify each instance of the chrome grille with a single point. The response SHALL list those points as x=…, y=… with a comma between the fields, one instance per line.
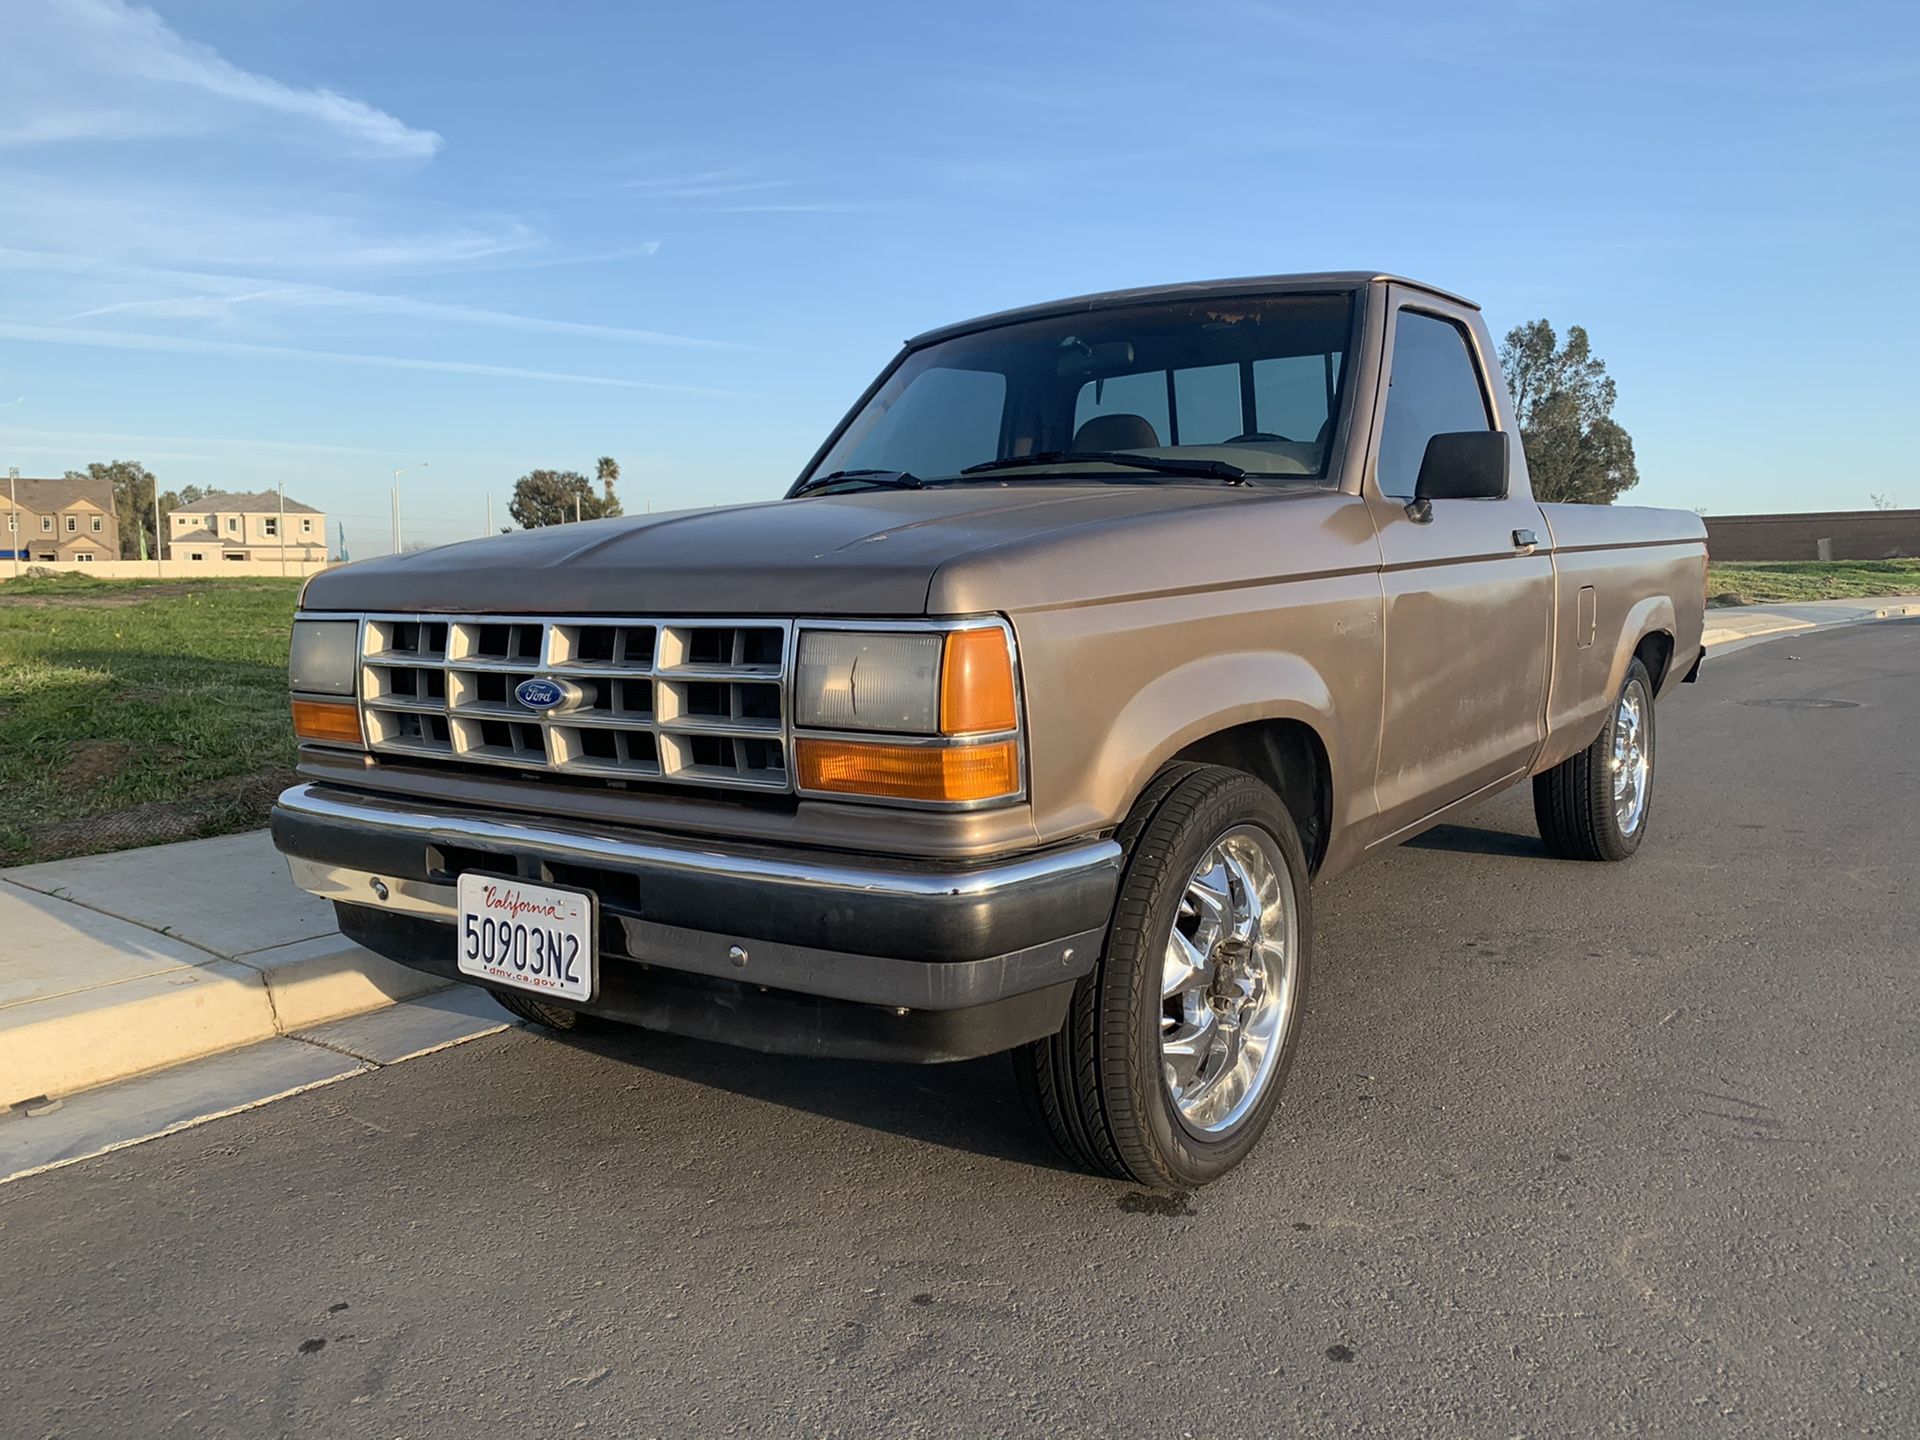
x=680, y=700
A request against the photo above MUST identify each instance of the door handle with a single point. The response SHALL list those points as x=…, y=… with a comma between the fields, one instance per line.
x=1525, y=540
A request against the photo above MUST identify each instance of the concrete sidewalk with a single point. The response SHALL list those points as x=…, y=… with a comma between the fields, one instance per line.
x=1736, y=625
x=115, y=965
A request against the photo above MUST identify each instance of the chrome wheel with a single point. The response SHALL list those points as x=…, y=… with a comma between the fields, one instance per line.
x=1228, y=980
x=1632, y=757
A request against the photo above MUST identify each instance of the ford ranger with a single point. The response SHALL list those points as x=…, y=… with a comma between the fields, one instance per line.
x=1092, y=636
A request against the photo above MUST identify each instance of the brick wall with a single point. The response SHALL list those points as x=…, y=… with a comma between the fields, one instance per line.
x=1852, y=535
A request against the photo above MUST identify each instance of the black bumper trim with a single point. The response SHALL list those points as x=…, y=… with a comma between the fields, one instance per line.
x=774, y=1021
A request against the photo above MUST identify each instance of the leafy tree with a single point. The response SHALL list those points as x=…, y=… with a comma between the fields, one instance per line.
x=1563, y=399
x=558, y=497
x=132, y=498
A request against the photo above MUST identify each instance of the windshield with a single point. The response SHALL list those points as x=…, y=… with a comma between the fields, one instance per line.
x=1248, y=382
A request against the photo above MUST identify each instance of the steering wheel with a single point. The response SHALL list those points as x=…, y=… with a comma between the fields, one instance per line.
x=1256, y=435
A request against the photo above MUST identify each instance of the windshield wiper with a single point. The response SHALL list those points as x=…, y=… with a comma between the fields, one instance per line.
x=879, y=479
x=1163, y=465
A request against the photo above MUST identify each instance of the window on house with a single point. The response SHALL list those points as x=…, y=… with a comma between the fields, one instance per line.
x=46, y=524
x=98, y=523
x=306, y=527
x=233, y=523
x=85, y=557
x=236, y=554
x=271, y=524
x=196, y=555
x=13, y=524
x=73, y=524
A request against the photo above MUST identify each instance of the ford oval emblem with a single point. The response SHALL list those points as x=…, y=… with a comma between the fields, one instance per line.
x=541, y=693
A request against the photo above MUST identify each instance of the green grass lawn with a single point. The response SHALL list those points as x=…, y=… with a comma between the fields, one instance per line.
x=1751, y=583
x=138, y=711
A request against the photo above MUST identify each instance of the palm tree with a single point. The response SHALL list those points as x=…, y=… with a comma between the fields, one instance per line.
x=606, y=470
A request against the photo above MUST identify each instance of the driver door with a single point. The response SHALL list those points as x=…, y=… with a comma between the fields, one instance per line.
x=1468, y=604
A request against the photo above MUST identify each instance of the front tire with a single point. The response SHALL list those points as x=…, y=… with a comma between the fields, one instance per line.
x=1594, y=805
x=538, y=1012
x=1176, y=1049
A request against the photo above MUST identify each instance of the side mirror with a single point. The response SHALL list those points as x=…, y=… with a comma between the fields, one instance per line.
x=1461, y=465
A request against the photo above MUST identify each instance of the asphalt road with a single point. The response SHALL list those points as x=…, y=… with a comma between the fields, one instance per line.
x=1569, y=1149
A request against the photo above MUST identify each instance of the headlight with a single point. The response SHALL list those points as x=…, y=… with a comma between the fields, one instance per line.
x=952, y=691
x=322, y=660
x=869, y=680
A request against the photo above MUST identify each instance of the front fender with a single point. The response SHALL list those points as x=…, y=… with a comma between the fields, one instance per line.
x=1201, y=698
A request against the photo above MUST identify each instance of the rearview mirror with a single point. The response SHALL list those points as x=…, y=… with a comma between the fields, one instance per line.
x=1464, y=465
x=1107, y=358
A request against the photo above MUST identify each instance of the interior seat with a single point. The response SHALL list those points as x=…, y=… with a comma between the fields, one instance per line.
x=1117, y=432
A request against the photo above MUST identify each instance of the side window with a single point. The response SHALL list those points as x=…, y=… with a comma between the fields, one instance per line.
x=1435, y=390
x=944, y=421
x=1144, y=395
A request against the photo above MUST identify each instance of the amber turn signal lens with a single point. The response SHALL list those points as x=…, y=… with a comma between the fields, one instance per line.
x=327, y=720
x=909, y=772
x=976, y=683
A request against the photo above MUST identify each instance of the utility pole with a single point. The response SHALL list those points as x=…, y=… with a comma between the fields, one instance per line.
x=282, y=488
x=13, y=515
x=489, y=529
x=156, y=529
x=576, y=509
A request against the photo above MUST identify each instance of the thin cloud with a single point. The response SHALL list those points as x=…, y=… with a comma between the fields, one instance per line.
x=320, y=297
x=112, y=43
x=804, y=207
x=12, y=433
x=125, y=340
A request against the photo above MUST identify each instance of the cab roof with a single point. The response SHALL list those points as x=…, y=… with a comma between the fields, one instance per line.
x=1320, y=282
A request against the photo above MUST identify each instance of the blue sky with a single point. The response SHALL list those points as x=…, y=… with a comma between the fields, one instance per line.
x=254, y=241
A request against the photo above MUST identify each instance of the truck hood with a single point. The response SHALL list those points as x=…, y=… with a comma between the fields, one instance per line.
x=868, y=553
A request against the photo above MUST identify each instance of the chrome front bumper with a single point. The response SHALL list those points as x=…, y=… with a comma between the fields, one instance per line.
x=913, y=935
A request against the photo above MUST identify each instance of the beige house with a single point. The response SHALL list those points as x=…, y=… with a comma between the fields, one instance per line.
x=62, y=521
x=257, y=526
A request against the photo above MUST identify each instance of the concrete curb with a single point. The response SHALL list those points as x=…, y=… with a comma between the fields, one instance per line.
x=1761, y=622
x=117, y=966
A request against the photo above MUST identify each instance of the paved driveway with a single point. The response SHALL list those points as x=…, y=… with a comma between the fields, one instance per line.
x=1569, y=1150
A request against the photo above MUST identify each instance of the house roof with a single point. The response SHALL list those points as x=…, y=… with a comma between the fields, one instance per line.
x=195, y=536
x=45, y=497
x=253, y=502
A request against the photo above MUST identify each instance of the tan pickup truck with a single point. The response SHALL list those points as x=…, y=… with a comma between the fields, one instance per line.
x=1093, y=635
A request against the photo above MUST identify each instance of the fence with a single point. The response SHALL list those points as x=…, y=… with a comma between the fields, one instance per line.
x=1822, y=535
x=182, y=569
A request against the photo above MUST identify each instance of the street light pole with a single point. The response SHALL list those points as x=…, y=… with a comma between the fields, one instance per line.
x=13, y=515
x=282, y=537
x=397, y=537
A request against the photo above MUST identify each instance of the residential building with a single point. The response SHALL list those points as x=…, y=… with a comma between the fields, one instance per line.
x=60, y=521
x=258, y=526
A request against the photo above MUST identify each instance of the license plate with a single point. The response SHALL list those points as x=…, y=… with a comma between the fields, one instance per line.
x=529, y=937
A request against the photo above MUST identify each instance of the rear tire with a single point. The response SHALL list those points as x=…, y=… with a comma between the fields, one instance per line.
x=1176, y=1049
x=1595, y=805
x=539, y=1012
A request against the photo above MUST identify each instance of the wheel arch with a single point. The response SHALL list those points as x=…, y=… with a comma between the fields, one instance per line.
x=1290, y=758
x=1268, y=714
